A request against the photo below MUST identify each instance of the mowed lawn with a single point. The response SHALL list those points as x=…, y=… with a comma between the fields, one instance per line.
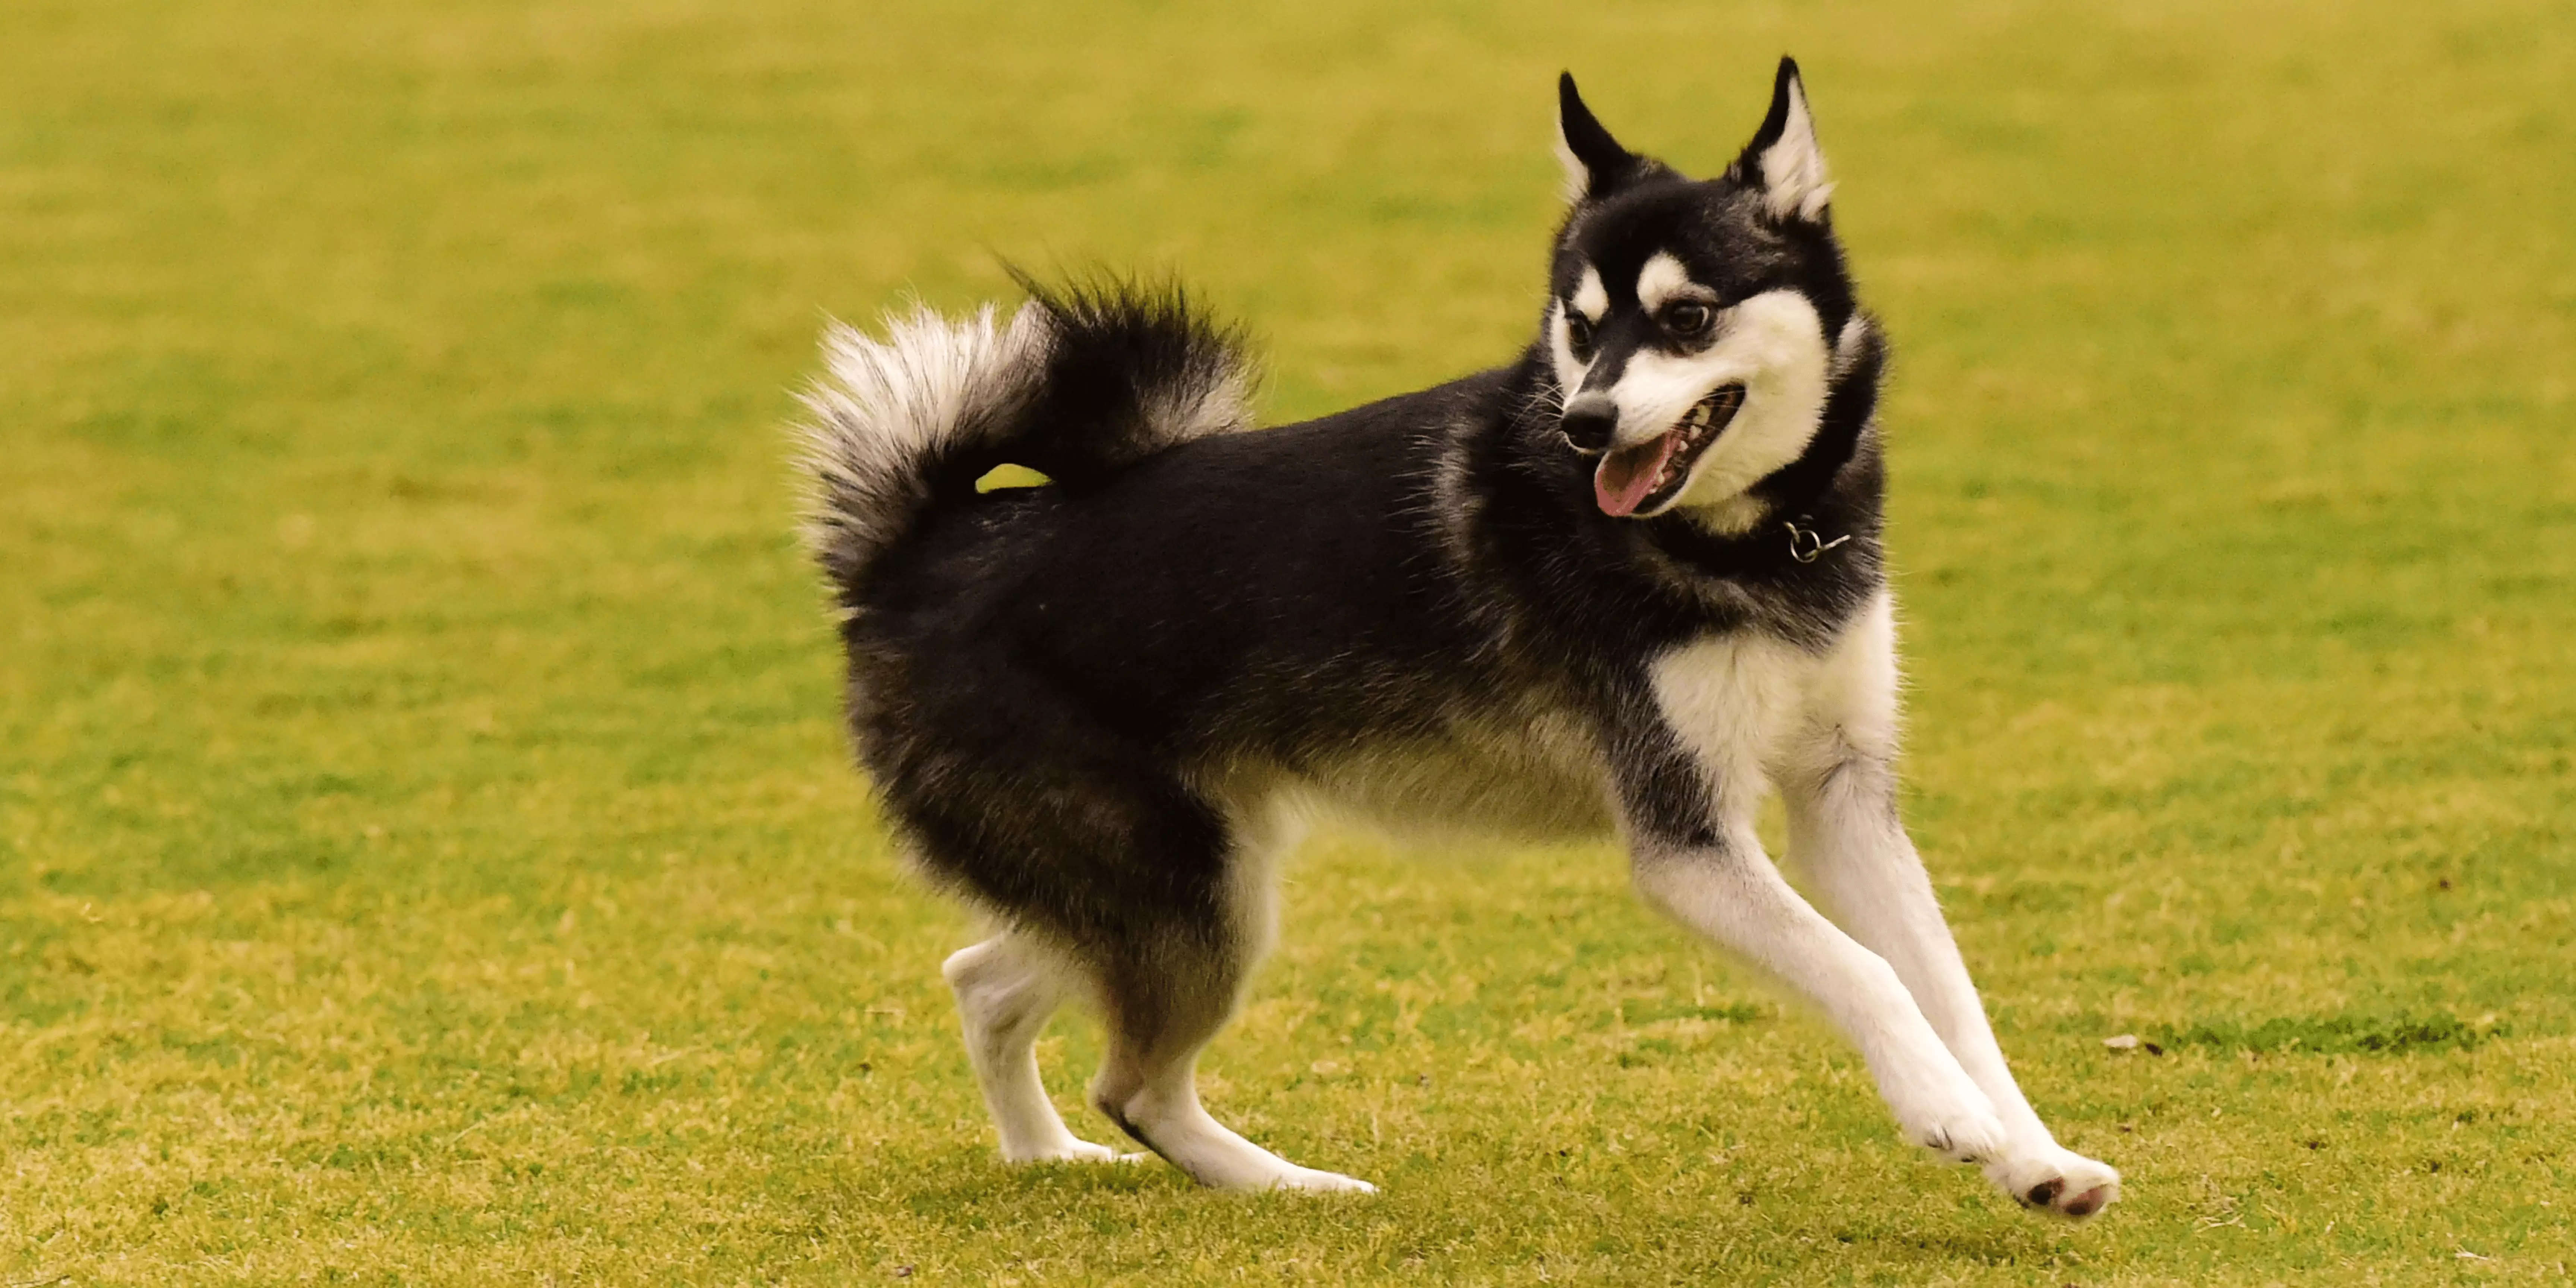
x=428, y=853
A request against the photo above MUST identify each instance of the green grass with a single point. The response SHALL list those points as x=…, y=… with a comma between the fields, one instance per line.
x=427, y=853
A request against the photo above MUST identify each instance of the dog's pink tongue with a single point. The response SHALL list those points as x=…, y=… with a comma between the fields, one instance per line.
x=1625, y=476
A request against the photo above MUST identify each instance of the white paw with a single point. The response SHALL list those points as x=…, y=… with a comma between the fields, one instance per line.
x=1310, y=1181
x=1069, y=1150
x=2056, y=1180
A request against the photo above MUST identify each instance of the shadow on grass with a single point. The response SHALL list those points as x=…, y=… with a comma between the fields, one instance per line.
x=2012, y=1239
x=2337, y=1034
x=973, y=1190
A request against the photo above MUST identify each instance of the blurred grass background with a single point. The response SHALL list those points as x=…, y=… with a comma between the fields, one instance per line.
x=427, y=850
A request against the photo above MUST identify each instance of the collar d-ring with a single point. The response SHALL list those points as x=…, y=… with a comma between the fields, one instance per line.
x=1805, y=545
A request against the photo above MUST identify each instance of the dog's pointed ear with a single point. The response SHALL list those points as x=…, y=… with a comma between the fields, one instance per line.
x=1595, y=164
x=1783, y=159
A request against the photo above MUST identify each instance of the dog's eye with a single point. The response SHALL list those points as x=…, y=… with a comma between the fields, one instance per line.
x=1578, y=333
x=1689, y=318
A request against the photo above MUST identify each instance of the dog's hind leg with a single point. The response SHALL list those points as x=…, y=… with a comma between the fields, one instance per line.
x=1845, y=834
x=1168, y=995
x=1158, y=900
x=1006, y=989
x=1162, y=1012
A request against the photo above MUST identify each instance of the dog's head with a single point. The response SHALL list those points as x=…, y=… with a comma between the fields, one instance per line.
x=1696, y=327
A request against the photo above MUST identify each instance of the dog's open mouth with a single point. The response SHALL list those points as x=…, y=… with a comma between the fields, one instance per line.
x=1652, y=472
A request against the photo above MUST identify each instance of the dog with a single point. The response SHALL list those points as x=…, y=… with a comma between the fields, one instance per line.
x=1626, y=585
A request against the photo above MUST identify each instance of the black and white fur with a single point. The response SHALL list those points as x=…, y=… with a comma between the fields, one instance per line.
x=1627, y=584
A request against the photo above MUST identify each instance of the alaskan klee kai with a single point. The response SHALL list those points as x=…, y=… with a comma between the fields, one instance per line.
x=1625, y=585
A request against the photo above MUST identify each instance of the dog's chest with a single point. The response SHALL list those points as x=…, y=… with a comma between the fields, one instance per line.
x=1734, y=702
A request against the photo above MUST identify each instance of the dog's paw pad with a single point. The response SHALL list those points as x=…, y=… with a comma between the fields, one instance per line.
x=2090, y=1201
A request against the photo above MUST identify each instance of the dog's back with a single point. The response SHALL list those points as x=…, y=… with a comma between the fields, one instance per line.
x=1159, y=599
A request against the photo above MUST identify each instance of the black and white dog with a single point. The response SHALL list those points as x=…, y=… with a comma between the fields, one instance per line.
x=1628, y=584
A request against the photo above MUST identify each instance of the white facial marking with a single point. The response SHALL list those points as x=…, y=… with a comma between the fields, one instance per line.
x=1772, y=344
x=1655, y=388
x=1569, y=371
x=1661, y=279
x=1589, y=296
x=1592, y=300
x=1778, y=343
x=1794, y=178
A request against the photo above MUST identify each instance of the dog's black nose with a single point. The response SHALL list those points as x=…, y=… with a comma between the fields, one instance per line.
x=1591, y=421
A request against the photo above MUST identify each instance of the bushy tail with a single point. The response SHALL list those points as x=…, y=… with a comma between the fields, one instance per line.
x=1082, y=382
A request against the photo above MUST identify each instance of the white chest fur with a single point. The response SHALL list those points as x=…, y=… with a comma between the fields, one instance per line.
x=1735, y=702
x=1747, y=705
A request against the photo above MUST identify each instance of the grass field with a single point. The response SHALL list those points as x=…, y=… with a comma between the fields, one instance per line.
x=428, y=853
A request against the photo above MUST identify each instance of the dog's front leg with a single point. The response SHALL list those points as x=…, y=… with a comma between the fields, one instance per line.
x=1846, y=837
x=1843, y=832
x=1724, y=887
